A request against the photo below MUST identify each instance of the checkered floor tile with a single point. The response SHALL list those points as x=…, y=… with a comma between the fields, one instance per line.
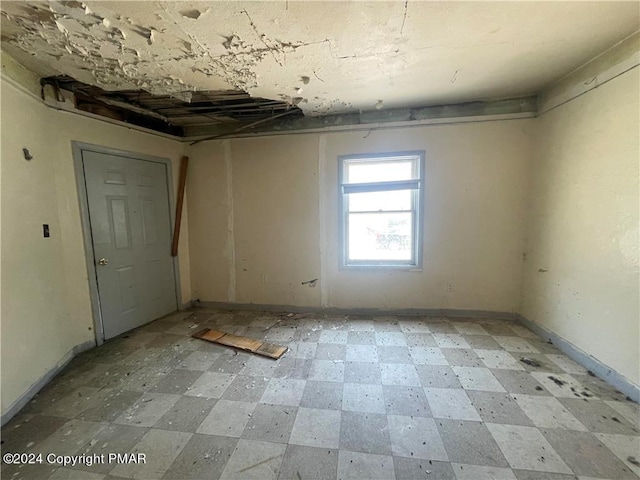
x=354, y=397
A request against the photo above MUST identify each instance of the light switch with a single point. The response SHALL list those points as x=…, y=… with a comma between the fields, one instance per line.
x=45, y=230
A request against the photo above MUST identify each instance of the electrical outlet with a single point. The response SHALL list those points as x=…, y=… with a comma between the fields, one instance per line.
x=265, y=278
x=449, y=286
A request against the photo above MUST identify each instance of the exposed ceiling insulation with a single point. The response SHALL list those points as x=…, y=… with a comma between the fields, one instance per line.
x=323, y=57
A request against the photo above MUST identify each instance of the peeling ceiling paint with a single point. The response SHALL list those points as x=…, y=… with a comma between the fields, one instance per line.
x=324, y=57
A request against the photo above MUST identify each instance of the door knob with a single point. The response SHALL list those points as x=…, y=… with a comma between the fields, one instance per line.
x=103, y=261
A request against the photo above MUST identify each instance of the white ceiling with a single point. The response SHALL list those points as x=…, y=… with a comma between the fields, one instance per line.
x=327, y=57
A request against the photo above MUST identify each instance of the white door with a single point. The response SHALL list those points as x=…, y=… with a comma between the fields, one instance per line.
x=129, y=216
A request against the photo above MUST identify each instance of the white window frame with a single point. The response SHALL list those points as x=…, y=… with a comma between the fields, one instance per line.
x=416, y=184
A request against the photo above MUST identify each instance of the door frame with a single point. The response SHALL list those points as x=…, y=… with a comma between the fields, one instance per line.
x=78, y=148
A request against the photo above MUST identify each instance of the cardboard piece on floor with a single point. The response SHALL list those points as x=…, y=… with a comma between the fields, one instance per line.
x=242, y=343
x=208, y=334
x=271, y=350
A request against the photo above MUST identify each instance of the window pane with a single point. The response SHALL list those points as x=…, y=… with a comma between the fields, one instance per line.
x=380, y=201
x=377, y=171
x=380, y=236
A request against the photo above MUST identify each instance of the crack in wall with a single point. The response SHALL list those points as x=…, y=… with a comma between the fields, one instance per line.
x=404, y=17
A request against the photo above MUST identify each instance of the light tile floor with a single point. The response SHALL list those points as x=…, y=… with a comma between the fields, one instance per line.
x=354, y=397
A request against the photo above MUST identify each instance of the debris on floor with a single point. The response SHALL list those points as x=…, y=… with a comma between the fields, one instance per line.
x=557, y=381
x=530, y=362
x=243, y=343
x=162, y=384
x=633, y=460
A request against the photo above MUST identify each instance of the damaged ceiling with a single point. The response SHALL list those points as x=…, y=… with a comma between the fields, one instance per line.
x=223, y=112
x=318, y=58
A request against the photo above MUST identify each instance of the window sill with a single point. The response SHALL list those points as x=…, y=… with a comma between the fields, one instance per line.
x=403, y=268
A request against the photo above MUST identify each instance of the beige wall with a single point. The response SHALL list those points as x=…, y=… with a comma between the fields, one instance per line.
x=211, y=222
x=581, y=273
x=46, y=309
x=268, y=206
x=254, y=213
x=275, y=208
x=263, y=217
x=475, y=191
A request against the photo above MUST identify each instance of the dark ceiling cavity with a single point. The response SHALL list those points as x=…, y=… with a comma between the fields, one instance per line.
x=223, y=112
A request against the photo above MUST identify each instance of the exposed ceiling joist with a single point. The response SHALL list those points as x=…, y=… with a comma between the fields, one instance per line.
x=171, y=115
